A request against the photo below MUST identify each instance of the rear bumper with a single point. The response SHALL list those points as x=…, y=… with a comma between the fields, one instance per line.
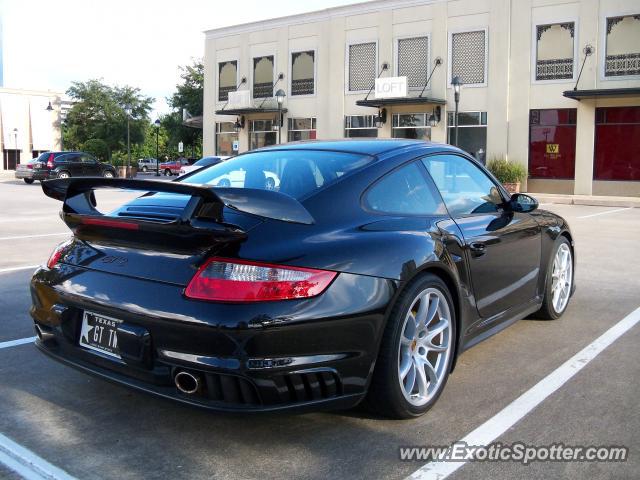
x=35, y=174
x=295, y=355
x=24, y=174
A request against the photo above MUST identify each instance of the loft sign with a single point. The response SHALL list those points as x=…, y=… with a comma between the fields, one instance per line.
x=391, y=87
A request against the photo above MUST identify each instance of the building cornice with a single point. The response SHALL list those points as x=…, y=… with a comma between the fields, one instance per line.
x=316, y=16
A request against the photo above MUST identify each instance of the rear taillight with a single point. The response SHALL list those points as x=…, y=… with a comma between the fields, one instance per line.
x=226, y=280
x=54, y=258
x=30, y=166
x=50, y=161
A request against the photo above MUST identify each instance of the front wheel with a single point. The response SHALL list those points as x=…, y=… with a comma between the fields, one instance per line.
x=417, y=351
x=559, y=283
x=28, y=181
x=108, y=174
x=64, y=175
x=167, y=173
x=144, y=169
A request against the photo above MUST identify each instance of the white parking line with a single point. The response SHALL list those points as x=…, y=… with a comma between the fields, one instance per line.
x=605, y=213
x=29, y=219
x=525, y=403
x=27, y=464
x=15, y=269
x=15, y=343
x=21, y=237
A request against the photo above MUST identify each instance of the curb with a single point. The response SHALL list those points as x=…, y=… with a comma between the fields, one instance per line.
x=627, y=202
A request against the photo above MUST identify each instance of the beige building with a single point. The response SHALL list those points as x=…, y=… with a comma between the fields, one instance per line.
x=29, y=124
x=519, y=62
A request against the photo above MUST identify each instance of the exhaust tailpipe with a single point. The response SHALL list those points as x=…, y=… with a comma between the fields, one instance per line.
x=187, y=382
x=42, y=335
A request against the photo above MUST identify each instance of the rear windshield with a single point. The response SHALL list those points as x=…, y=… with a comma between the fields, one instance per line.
x=297, y=173
x=43, y=156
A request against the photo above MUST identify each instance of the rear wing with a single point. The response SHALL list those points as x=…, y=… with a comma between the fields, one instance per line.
x=206, y=201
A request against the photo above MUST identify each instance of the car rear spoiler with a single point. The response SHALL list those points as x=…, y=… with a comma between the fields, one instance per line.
x=203, y=214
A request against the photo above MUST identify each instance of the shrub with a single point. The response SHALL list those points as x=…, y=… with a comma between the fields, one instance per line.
x=505, y=171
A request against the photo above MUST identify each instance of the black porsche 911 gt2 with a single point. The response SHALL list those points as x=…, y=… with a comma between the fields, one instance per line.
x=299, y=276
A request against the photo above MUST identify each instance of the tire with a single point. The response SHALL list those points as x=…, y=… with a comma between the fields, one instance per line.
x=144, y=169
x=167, y=173
x=64, y=174
x=108, y=174
x=28, y=181
x=555, y=304
x=225, y=182
x=270, y=184
x=393, y=393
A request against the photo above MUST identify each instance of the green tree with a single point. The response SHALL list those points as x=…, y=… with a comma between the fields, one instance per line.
x=189, y=96
x=99, y=113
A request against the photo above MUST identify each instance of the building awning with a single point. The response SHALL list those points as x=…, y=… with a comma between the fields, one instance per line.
x=248, y=110
x=387, y=102
x=602, y=93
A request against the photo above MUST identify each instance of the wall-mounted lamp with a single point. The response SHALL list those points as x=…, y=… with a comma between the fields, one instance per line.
x=588, y=51
x=239, y=125
x=380, y=119
x=49, y=107
x=434, y=118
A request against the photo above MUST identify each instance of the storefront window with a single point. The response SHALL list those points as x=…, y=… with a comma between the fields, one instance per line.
x=617, y=144
x=359, y=126
x=411, y=125
x=472, y=133
x=552, y=143
x=262, y=134
x=301, y=129
x=225, y=136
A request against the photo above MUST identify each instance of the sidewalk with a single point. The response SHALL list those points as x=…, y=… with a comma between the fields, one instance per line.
x=594, y=200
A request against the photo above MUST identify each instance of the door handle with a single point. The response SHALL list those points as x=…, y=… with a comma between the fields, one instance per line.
x=477, y=248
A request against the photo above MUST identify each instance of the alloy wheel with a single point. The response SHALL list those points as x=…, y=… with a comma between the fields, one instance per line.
x=561, y=278
x=425, y=347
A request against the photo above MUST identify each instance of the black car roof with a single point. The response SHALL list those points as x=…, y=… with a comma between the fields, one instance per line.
x=364, y=146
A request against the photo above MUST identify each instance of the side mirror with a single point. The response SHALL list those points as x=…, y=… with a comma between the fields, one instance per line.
x=521, y=202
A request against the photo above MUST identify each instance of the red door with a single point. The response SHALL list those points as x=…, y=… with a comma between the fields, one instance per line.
x=617, y=144
x=552, y=143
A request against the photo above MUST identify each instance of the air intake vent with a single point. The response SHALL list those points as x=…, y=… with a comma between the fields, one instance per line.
x=308, y=386
x=230, y=389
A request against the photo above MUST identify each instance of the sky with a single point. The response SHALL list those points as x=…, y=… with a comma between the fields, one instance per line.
x=47, y=44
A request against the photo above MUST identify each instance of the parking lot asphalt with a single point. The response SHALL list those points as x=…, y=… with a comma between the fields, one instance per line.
x=94, y=429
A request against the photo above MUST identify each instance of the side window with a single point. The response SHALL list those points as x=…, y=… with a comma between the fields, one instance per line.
x=465, y=188
x=404, y=191
x=87, y=159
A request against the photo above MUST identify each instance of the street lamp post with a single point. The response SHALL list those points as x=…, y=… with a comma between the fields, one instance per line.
x=280, y=98
x=127, y=110
x=156, y=124
x=15, y=139
x=456, y=83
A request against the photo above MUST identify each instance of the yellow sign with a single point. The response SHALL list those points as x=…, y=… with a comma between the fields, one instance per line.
x=553, y=148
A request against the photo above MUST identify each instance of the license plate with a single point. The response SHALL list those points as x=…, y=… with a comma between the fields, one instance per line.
x=99, y=334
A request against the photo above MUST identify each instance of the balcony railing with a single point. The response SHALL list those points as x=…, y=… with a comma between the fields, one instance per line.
x=622, y=65
x=263, y=90
x=302, y=86
x=560, y=69
x=223, y=93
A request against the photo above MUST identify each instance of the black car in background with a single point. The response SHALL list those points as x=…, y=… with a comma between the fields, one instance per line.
x=362, y=275
x=51, y=165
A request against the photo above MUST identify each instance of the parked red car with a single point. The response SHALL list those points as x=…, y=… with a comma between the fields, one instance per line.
x=173, y=167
